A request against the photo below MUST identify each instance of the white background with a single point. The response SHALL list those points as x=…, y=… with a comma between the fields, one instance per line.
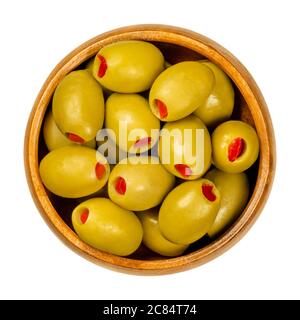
x=36, y=35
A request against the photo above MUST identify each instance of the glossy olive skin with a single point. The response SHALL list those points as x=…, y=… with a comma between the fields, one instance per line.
x=218, y=106
x=224, y=135
x=146, y=183
x=108, y=227
x=133, y=112
x=180, y=147
x=186, y=214
x=132, y=66
x=234, y=189
x=153, y=238
x=182, y=87
x=70, y=172
x=78, y=105
x=54, y=138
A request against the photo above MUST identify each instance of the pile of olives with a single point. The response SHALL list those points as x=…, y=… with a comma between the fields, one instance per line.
x=167, y=205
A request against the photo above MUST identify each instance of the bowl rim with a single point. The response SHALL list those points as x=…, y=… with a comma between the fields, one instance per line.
x=249, y=90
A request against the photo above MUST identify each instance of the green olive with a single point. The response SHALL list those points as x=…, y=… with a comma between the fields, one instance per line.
x=188, y=211
x=74, y=171
x=139, y=183
x=167, y=64
x=218, y=106
x=90, y=65
x=186, y=153
x=180, y=90
x=129, y=115
x=128, y=66
x=78, y=106
x=235, y=146
x=234, y=189
x=153, y=238
x=107, y=227
x=54, y=138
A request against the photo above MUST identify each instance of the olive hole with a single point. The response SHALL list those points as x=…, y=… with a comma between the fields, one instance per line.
x=83, y=214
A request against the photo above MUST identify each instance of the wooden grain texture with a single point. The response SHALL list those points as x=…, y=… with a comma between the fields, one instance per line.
x=177, y=45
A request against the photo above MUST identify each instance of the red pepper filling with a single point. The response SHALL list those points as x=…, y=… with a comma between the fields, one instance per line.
x=84, y=215
x=142, y=142
x=183, y=169
x=236, y=149
x=162, y=108
x=75, y=138
x=207, y=190
x=99, y=170
x=102, y=66
x=120, y=185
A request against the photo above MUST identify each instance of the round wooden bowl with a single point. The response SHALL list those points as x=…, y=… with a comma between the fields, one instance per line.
x=177, y=45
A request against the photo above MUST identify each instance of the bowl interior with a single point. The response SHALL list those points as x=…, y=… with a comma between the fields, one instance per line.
x=173, y=53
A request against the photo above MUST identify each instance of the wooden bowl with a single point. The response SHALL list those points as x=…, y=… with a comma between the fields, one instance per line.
x=177, y=45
